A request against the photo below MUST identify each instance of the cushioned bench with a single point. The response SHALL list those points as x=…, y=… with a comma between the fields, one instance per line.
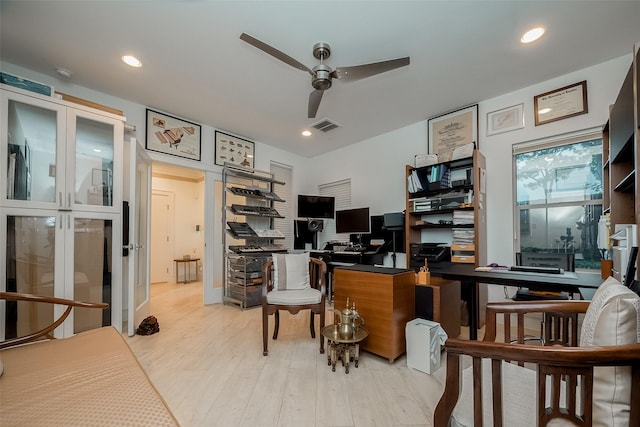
x=92, y=378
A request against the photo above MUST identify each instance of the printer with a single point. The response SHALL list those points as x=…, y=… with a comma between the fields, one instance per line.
x=432, y=252
x=624, y=237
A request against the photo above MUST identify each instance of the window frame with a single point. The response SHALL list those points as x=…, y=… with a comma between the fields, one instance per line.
x=541, y=144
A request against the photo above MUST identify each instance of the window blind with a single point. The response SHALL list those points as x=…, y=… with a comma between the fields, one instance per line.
x=557, y=140
x=341, y=190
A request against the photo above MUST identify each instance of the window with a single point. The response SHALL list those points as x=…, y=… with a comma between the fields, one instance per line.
x=283, y=173
x=341, y=190
x=559, y=197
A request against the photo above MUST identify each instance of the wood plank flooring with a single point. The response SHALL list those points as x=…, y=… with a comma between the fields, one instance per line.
x=207, y=363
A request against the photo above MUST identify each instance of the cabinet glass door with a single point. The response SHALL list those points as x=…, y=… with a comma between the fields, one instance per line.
x=94, y=155
x=30, y=267
x=92, y=271
x=32, y=133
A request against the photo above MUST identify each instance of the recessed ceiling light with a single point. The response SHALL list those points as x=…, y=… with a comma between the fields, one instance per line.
x=532, y=35
x=63, y=72
x=306, y=133
x=132, y=61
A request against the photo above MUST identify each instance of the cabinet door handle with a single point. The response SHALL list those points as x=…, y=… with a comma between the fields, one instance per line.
x=68, y=222
x=61, y=218
x=69, y=199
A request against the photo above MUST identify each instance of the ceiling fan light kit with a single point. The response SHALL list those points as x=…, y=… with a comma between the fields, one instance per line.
x=322, y=75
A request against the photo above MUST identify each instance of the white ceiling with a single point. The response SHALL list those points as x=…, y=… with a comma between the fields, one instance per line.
x=196, y=67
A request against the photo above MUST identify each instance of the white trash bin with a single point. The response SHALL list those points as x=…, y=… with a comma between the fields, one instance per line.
x=424, y=344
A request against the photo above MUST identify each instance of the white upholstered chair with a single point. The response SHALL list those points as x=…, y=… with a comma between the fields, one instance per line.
x=292, y=282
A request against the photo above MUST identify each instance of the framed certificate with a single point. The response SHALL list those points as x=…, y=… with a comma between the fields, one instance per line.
x=452, y=130
x=568, y=101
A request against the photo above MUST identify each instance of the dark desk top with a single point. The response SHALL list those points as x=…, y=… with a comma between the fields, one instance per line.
x=374, y=269
x=544, y=282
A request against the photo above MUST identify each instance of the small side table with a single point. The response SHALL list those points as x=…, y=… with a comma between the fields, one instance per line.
x=187, y=269
x=341, y=348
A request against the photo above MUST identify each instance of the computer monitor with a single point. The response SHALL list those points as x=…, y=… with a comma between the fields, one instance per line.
x=352, y=221
x=315, y=206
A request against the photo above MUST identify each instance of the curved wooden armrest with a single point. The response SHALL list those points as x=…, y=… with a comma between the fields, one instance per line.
x=619, y=355
x=14, y=296
x=561, y=318
x=565, y=306
x=569, y=362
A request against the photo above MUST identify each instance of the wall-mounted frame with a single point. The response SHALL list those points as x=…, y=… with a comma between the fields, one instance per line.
x=233, y=150
x=505, y=120
x=171, y=135
x=558, y=104
x=452, y=130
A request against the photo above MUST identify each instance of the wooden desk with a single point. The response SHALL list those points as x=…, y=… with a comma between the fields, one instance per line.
x=187, y=268
x=467, y=276
x=384, y=298
x=440, y=301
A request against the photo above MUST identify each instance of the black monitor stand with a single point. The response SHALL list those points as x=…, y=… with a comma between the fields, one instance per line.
x=393, y=239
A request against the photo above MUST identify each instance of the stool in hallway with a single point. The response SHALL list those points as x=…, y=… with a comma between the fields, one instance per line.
x=187, y=270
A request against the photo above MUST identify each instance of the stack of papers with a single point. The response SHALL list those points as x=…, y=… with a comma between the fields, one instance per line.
x=463, y=236
x=463, y=217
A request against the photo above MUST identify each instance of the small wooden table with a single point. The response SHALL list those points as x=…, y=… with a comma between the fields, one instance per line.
x=187, y=269
x=343, y=348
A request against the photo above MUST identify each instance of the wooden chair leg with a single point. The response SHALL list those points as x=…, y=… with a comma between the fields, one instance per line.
x=276, y=315
x=265, y=332
x=312, y=325
x=321, y=328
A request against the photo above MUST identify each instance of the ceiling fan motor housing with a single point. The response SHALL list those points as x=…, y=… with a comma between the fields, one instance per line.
x=322, y=77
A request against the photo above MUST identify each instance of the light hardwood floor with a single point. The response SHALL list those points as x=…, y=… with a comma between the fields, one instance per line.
x=207, y=363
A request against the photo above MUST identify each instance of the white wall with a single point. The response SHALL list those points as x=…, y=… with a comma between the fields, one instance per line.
x=376, y=165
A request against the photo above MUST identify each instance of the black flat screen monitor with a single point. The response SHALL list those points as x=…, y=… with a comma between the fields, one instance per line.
x=352, y=221
x=316, y=206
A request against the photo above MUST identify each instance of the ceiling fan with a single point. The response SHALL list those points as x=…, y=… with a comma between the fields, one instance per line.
x=321, y=74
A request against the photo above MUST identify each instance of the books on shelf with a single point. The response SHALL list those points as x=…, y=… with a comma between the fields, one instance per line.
x=419, y=180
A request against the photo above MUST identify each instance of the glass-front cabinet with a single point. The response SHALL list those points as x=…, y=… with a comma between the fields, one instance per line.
x=60, y=211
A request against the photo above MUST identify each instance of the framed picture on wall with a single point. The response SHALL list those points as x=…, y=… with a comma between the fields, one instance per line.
x=568, y=101
x=505, y=120
x=233, y=150
x=453, y=130
x=171, y=135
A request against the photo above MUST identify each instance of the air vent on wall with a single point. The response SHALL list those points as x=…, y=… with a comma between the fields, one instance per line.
x=325, y=125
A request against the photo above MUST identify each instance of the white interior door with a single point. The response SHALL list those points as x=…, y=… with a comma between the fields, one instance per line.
x=139, y=228
x=161, y=237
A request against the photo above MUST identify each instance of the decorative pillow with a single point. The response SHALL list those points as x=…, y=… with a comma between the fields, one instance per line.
x=613, y=318
x=291, y=271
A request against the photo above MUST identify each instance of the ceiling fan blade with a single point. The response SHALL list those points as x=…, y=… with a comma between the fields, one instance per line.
x=314, y=102
x=362, y=71
x=274, y=52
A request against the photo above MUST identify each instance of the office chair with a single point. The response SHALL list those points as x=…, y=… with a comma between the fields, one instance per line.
x=566, y=261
